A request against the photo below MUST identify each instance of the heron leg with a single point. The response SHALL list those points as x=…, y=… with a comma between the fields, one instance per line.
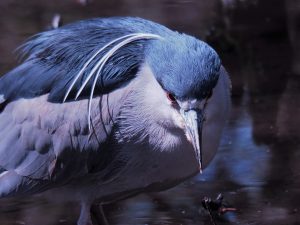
x=85, y=216
x=98, y=215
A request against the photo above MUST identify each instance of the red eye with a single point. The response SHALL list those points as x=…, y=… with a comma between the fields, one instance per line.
x=171, y=97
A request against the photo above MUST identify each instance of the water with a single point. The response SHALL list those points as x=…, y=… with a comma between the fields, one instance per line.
x=257, y=167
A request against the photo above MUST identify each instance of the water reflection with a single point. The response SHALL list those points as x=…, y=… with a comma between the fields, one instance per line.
x=293, y=17
x=247, y=163
x=257, y=166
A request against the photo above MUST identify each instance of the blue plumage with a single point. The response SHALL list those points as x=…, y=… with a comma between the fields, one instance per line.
x=184, y=66
x=54, y=58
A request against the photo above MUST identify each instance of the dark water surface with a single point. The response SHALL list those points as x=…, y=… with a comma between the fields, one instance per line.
x=257, y=167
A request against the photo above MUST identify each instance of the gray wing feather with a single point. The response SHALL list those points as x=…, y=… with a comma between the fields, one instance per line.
x=44, y=144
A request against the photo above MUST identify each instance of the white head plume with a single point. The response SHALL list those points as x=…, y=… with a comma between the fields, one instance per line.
x=126, y=39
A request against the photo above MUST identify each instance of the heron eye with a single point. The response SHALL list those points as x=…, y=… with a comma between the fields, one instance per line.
x=171, y=97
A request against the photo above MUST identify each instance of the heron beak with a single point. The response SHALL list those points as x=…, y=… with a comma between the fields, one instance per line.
x=193, y=121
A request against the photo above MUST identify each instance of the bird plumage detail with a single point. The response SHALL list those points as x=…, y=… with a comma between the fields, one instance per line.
x=109, y=108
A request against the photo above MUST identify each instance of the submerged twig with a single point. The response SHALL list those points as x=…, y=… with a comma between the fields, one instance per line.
x=216, y=205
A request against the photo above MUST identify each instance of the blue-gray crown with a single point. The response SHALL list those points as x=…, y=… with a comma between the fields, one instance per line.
x=184, y=66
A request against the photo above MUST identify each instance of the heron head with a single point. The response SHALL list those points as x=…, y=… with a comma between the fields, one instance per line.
x=187, y=70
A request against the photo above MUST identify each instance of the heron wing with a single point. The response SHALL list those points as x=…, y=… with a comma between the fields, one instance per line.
x=42, y=138
x=55, y=57
x=50, y=143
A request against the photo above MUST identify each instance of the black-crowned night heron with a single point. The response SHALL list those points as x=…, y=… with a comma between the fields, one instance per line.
x=109, y=108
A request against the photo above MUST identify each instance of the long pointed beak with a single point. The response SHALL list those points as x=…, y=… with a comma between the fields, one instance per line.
x=194, y=120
